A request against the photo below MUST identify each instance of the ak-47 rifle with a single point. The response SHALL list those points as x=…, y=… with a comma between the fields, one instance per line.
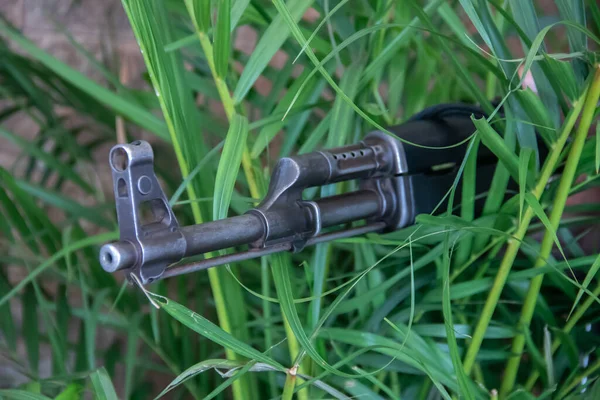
x=397, y=181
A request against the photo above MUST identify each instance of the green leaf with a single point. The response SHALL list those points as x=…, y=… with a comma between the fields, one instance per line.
x=316, y=136
x=199, y=167
x=16, y=394
x=586, y=282
x=237, y=10
x=217, y=364
x=7, y=324
x=415, y=353
x=131, y=353
x=538, y=114
x=236, y=374
x=149, y=23
x=183, y=42
x=103, y=387
x=574, y=11
x=268, y=132
x=68, y=205
x=397, y=42
x=271, y=40
x=565, y=77
x=526, y=18
x=47, y=158
x=493, y=141
x=211, y=331
x=597, y=148
x=539, y=212
x=32, y=221
x=454, y=22
x=453, y=221
x=222, y=47
x=593, y=392
x=71, y=392
x=342, y=113
x=548, y=357
x=525, y=158
x=461, y=71
x=200, y=12
x=468, y=7
x=280, y=271
x=30, y=328
x=83, y=243
x=229, y=165
x=325, y=19
x=91, y=327
x=63, y=314
x=462, y=331
x=464, y=384
x=116, y=102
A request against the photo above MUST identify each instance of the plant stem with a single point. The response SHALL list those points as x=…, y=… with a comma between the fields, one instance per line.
x=228, y=105
x=515, y=243
x=577, y=380
x=215, y=283
x=294, y=349
x=558, y=207
x=467, y=209
x=239, y=387
x=495, y=246
x=579, y=312
x=288, y=387
x=265, y=278
x=491, y=80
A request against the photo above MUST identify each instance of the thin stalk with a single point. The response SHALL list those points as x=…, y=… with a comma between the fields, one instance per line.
x=228, y=105
x=395, y=382
x=148, y=339
x=265, y=274
x=491, y=81
x=467, y=209
x=294, y=350
x=288, y=387
x=239, y=386
x=196, y=212
x=515, y=243
x=577, y=380
x=579, y=312
x=558, y=207
x=495, y=247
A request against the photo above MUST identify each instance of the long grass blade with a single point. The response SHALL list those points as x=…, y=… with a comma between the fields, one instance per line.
x=222, y=47
x=103, y=387
x=206, y=328
x=229, y=165
x=275, y=35
x=131, y=111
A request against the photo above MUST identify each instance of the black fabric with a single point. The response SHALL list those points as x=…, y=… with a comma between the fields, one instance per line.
x=442, y=126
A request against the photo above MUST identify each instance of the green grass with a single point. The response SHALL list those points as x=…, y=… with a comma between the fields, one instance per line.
x=498, y=305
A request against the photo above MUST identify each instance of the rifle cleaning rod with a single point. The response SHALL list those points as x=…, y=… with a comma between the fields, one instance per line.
x=256, y=253
x=250, y=228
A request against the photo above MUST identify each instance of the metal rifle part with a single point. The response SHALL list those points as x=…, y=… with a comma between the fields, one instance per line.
x=396, y=182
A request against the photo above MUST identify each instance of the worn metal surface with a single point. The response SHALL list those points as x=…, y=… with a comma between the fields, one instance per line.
x=149, y=232
x=397, y=181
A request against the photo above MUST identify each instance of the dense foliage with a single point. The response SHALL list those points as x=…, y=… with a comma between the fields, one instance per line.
x=458, y=306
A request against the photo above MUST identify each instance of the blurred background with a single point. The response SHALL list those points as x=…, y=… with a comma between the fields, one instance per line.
x=43, y=113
